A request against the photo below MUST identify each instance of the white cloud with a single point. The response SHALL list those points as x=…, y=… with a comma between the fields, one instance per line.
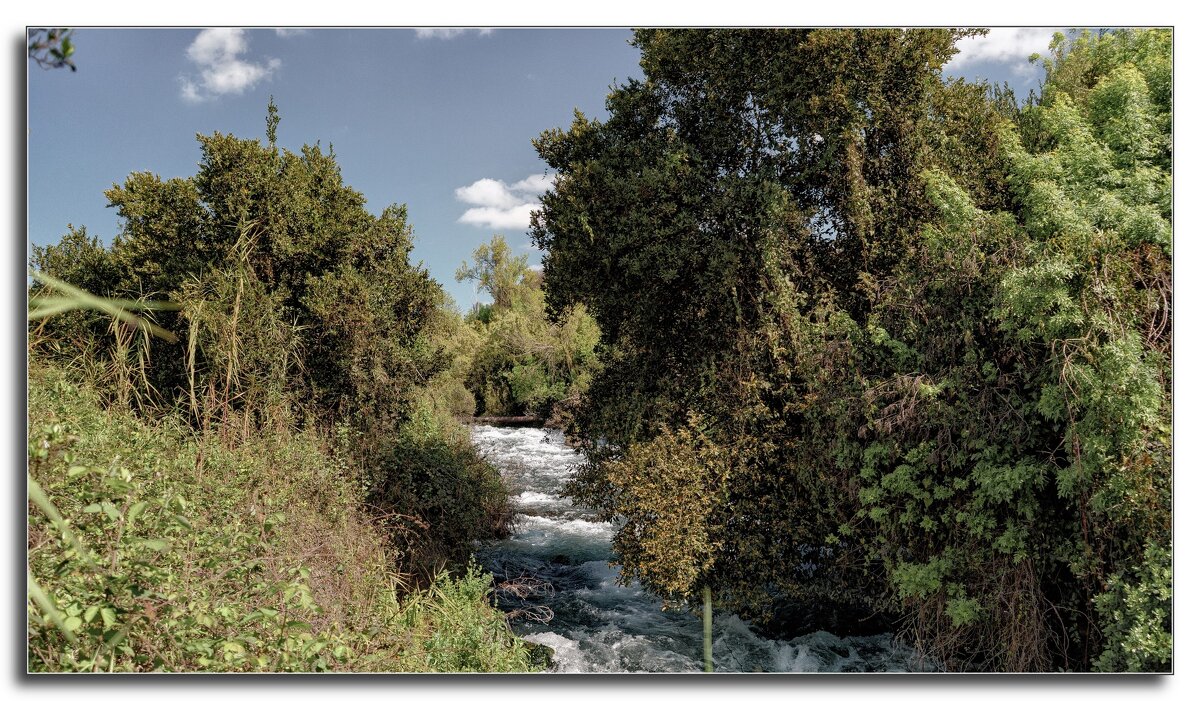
x=498, y=217
x=1005, y=45
x=190, y=91
x=536, y=184
x=288, y=32
x=500, y=205
x=447, y=32
x=488, y=193
x=217, y=53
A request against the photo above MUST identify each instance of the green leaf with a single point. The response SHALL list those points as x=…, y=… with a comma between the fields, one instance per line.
x=75, y=298
x=111, y=511
x=47, y=605
x=314, y=647
x=136, y=510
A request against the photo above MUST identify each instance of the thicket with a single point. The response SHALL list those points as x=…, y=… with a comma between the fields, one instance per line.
x=877, y=338
x=514, y=360
x=156, y=548
x=301, y=348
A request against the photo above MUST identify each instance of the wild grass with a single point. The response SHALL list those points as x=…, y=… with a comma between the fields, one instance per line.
x=153, y=547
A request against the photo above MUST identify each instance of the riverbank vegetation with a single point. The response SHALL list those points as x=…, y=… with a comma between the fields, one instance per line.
x=876, y=338
x=518, y=361
x=155, y=547
x=830, y=327
x=265, y=478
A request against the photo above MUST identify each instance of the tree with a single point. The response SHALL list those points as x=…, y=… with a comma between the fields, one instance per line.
x=756, y=179
x=51, y=48
x=524, y=363
x=282, y=274
x=857, y=322
x=497, y=271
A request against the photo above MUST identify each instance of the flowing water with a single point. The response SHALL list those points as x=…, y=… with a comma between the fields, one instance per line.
x=595, y=625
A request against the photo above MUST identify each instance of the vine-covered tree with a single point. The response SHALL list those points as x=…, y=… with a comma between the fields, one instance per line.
x=880, y=339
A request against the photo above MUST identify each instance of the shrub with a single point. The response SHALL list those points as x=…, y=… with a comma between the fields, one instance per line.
x=155, y=548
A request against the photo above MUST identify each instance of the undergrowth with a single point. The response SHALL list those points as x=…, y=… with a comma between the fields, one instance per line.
x=156, y=547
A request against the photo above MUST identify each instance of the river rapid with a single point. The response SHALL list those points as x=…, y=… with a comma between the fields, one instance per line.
x=571, y=601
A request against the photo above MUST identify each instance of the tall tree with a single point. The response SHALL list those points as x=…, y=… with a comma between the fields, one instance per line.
x=843, y=302
x=271, y=247
x=755, y=180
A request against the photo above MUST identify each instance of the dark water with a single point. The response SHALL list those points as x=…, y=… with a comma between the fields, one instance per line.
x=599, y=626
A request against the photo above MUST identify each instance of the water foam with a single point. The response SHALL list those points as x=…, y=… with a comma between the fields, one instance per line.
x=602, y=626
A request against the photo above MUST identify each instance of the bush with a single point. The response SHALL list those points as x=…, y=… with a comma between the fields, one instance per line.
x=450, y=496
x=458, y=631
x=154, y=548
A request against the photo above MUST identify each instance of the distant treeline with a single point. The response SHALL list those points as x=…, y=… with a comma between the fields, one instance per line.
x=515, y=360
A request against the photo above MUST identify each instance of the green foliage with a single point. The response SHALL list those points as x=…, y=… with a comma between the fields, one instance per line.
x=83, y=262
x=521, y=362
x=1136, y=615
x=374, y=310
x=153, y=549
x=297, y=305
x=51, y=48
x=288, y=256
x=454, y=498
x=461, y=635
x=930, y=330
x=1056, y=429
x=726, y=226
x=666, y=539
x=309, y=355
x=507, y=278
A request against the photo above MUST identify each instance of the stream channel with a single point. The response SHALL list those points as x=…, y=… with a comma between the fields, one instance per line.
x=575, y=606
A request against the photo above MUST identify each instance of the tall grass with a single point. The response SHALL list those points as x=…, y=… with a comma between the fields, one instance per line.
x=260, y=557
x=216, y=530
x=56, y=297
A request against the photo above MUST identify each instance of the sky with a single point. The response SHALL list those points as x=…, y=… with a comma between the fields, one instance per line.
x=438, y=119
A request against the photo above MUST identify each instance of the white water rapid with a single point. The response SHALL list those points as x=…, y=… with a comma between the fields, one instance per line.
x=599, y=626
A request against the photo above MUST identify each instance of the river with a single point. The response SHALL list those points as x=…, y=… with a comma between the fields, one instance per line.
x=573, y=604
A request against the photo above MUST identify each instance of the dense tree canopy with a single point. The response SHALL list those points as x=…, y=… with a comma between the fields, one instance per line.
x=875, y=337
x=268, y=238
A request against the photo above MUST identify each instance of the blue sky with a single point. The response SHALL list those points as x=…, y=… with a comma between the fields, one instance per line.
x=440, y=120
